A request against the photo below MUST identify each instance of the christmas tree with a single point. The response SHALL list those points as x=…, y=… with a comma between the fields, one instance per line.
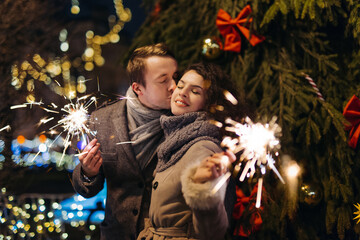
x=297, y=60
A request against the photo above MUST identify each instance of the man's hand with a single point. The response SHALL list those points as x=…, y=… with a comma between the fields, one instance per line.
x=213, y=167
x=91, y=159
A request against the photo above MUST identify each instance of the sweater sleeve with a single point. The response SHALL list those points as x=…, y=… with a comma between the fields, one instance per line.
x=85, y=188
x=210, y=217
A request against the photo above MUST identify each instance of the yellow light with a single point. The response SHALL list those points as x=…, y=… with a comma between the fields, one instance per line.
x=11, y=198
x=27, y=227
x=14, y=70
x=75, y=9
x=39, y=229
x=30, y=98
x=50, y=214
x=97, y=40
x=30, y=85
x=57, y=70
x=89, y=52
x=74, y=224
x=116, y=28
x=66, y=65
x=25, y=65
x=114, y=38
x=89, y=34
x=92, y=227
x=63, y=35
x=55, y=205
x=89, y=66
x=51, y=229
x=64, y=46
x=99, y=60
x=81, y=88
x=48, y=80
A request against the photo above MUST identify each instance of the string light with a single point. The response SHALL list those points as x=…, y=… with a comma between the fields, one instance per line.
x=46, y=71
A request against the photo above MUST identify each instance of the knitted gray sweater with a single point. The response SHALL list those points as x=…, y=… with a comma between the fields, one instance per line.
x=181, y=132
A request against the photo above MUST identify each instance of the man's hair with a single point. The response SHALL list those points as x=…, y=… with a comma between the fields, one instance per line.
x=136, y=65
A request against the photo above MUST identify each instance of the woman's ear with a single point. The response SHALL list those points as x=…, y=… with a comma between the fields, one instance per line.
x=136, y=88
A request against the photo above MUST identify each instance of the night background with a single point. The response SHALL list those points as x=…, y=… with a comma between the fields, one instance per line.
x=296, y=60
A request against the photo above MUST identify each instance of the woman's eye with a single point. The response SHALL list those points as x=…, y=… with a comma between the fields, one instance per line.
x=195, y=92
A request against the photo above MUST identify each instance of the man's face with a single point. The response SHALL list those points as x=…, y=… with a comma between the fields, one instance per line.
x=159, y=81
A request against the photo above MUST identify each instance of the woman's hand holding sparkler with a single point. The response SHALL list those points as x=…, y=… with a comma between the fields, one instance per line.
x=213, y=167
x=91, y=159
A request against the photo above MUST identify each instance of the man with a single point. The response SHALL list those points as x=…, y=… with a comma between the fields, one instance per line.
x=128, y=133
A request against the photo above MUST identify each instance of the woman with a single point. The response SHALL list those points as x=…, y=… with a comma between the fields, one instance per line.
x=190, y=163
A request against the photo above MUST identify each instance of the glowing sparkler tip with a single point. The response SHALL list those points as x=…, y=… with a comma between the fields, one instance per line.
x=293, y=170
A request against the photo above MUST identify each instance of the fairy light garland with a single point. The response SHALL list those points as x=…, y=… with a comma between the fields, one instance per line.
x=47, y=71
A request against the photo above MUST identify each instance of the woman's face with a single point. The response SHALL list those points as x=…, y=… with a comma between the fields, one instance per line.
x=189, y=94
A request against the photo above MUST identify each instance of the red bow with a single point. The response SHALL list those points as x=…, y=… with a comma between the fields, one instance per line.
x=227, y=27
x=242, y=203
x=352, y=115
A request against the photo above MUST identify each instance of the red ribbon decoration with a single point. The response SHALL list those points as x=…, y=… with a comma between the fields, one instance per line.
x=243, y=202
x=352, y=115
x=227, y=27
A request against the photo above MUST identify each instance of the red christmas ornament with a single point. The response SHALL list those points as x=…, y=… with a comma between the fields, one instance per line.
x=243, y=202
x=229, y=29
x=352, y=115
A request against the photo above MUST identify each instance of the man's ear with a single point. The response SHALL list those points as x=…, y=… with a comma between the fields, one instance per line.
x=136, y=88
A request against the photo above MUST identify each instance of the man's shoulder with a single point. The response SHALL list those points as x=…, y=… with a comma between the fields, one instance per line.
x=109, y=108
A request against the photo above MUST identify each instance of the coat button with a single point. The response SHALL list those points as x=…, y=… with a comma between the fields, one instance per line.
x=155, y=185
x=135, y=211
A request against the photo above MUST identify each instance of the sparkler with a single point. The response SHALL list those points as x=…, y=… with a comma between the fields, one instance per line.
x=74, y=119
x=257, y=142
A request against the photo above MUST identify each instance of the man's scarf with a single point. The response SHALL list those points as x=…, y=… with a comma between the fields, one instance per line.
x=144, y=128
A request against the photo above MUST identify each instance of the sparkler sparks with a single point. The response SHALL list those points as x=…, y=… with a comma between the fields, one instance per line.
x=74, y=120
x=7, y=128
x=257, y=142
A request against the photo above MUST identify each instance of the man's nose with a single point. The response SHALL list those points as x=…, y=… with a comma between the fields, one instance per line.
x=172, y=86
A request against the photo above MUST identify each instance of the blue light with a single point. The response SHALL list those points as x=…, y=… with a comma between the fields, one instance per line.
x=92, y=209
x=81, y=144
